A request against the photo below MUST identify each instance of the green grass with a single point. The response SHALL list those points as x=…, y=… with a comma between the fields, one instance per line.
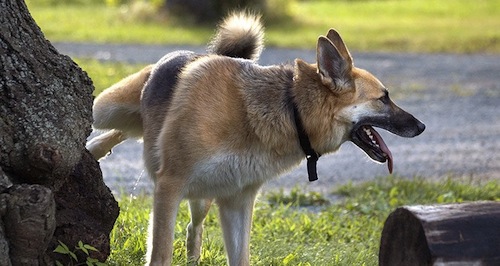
x=461, y=26
x=345, y=232
x=128, y=238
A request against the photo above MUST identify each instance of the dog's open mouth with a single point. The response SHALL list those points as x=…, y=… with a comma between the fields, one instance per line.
x=370, y=141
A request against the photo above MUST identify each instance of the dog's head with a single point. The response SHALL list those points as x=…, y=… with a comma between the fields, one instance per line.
x=366, y=102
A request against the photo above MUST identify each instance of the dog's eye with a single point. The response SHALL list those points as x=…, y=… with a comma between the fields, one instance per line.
x=385, y=99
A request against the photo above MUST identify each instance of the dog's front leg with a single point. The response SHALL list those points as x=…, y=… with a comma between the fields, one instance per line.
x=167, y=197
x=199, y=209
x=236, y=220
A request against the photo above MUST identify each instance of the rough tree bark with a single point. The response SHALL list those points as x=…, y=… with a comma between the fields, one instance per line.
x=45, y=118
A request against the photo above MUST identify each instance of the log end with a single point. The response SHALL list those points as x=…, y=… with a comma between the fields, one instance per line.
x=403, y=240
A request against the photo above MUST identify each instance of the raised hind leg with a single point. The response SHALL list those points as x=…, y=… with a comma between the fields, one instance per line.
x=101, y=145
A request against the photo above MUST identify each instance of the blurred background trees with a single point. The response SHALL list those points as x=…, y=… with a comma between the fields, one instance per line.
x=191, y=11
x=211, y=11
x=201, y=11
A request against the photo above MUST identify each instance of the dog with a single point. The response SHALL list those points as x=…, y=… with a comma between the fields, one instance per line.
x=217, y=126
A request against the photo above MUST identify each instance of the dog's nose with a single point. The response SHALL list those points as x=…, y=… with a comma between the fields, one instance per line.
x=420, y=127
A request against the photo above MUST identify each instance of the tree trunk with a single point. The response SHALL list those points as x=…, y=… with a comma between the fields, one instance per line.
x=456, y=234
x=45, y=118
x=28, y=217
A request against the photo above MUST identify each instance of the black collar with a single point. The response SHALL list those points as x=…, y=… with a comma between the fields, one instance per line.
x=311, y=155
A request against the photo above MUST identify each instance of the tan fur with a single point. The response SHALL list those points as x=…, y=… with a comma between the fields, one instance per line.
x=101, y=145
x=228, y=128
x=122, y=100
x=118, y=109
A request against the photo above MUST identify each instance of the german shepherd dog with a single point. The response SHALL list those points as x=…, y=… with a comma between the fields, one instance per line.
x=217, y=126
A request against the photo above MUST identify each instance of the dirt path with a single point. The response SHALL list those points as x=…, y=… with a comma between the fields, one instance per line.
x=456, y=96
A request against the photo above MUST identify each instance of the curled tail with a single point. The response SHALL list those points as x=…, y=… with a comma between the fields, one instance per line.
x=240, y=35
x=118, y=108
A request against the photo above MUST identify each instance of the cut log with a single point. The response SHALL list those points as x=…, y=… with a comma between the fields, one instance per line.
x=455, y=234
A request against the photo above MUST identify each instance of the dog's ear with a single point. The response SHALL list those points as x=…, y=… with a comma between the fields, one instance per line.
x=333, y=67
x=337, y=41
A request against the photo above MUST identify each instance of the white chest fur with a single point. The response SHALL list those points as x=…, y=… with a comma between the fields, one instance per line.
x=227, y=173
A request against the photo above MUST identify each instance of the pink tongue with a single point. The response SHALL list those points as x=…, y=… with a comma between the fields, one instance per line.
x=384, y=148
